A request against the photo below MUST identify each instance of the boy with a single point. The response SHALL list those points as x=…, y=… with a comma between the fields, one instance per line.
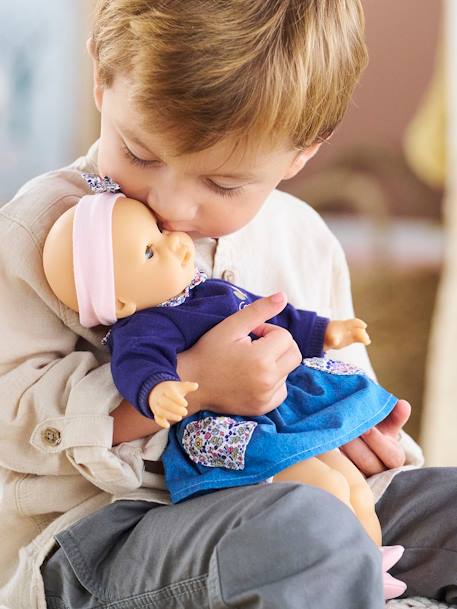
x=205, y=107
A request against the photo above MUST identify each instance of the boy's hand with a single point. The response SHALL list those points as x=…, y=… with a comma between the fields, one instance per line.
x=167, y=401
x=237, y=375
x=379, y=448
x=340, y=334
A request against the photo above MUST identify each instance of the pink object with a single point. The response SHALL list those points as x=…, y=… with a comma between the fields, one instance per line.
x=93, y=264
x=390, y=556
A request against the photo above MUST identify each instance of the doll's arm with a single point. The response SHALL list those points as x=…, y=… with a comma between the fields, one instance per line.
x=306, y=327
x=144, y=351
x=342, y=333
x=315, y=334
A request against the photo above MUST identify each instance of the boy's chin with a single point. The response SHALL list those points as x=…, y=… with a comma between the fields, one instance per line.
x=195, y=236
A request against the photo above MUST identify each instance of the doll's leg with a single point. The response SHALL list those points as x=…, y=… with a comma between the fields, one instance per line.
x=361, y=496
x=317, y=473
x=334, y=473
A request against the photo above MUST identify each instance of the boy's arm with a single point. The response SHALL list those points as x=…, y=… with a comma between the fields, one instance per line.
x=129, y=424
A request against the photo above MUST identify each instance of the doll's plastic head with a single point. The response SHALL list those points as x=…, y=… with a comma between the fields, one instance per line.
x=107, y=258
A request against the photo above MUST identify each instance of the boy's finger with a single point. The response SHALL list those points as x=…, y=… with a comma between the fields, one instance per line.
x=263, y=329
x=279, y=394
x=241, y=323
x=394, y=422
x=363, y=457
x=288, y=361
x=388, y=450
x=276, y=342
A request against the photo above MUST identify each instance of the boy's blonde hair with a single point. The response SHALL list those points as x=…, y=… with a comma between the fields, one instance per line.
x=281, y=69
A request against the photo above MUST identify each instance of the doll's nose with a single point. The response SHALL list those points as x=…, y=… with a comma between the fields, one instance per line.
x=173, y=240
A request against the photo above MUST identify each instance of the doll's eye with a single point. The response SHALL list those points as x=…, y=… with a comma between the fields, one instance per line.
x=148, y=252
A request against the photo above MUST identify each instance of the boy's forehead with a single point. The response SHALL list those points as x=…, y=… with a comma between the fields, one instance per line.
x=230, y=156
x=227, y=157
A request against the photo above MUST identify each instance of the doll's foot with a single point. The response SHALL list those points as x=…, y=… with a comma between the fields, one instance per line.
x=392, y=587
x=390, y=556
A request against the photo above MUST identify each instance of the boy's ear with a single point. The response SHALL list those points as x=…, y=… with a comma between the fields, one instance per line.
x=98, y=89
x=300, y=160
x=124, y=309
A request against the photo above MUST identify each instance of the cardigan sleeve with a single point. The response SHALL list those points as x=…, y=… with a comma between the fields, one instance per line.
x=307, y=329
x=144, y=351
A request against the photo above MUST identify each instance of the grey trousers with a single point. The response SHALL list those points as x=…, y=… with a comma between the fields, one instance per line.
x=278, y=546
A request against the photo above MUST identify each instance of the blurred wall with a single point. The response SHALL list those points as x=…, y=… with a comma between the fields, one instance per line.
x=402, y=38
x=439, y=430
x=46, y=111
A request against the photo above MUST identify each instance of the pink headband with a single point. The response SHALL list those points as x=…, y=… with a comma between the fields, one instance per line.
x=93, y=264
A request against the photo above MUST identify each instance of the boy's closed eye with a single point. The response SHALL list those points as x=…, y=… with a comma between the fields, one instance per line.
x=224, y=191
x=136, y=160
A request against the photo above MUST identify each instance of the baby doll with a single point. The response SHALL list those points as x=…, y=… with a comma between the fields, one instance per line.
x=108, y=259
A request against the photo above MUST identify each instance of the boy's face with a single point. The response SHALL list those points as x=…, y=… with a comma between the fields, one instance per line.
x=206, y=194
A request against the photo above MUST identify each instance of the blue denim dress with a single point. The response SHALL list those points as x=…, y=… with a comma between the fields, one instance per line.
x=328, y=404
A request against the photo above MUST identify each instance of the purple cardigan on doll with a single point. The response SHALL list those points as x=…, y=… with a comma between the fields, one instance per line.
x=144, y=346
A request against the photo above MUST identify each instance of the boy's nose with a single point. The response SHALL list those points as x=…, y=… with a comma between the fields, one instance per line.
x=173, y=209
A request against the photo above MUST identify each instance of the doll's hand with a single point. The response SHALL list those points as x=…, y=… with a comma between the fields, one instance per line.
x=167, y=401
x=340, y=334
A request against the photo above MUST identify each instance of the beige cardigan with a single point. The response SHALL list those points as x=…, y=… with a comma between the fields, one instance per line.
x=56, y=459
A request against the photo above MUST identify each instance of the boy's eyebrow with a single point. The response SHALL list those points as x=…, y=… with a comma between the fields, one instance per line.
x=233, y=176
x=135, y=139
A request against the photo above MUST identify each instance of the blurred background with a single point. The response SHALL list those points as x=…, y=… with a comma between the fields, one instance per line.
x=379, y=182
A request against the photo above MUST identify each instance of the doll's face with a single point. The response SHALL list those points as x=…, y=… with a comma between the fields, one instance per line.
x=150, y=265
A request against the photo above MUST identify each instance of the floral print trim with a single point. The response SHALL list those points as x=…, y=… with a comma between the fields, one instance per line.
x=332, y=366
x=98, y=184
x=218, y=441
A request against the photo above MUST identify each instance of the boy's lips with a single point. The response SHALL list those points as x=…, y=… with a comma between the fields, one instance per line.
x=175, y=229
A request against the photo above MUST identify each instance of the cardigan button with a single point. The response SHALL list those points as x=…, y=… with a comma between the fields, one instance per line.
x=51, y=436
x=228, y=275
